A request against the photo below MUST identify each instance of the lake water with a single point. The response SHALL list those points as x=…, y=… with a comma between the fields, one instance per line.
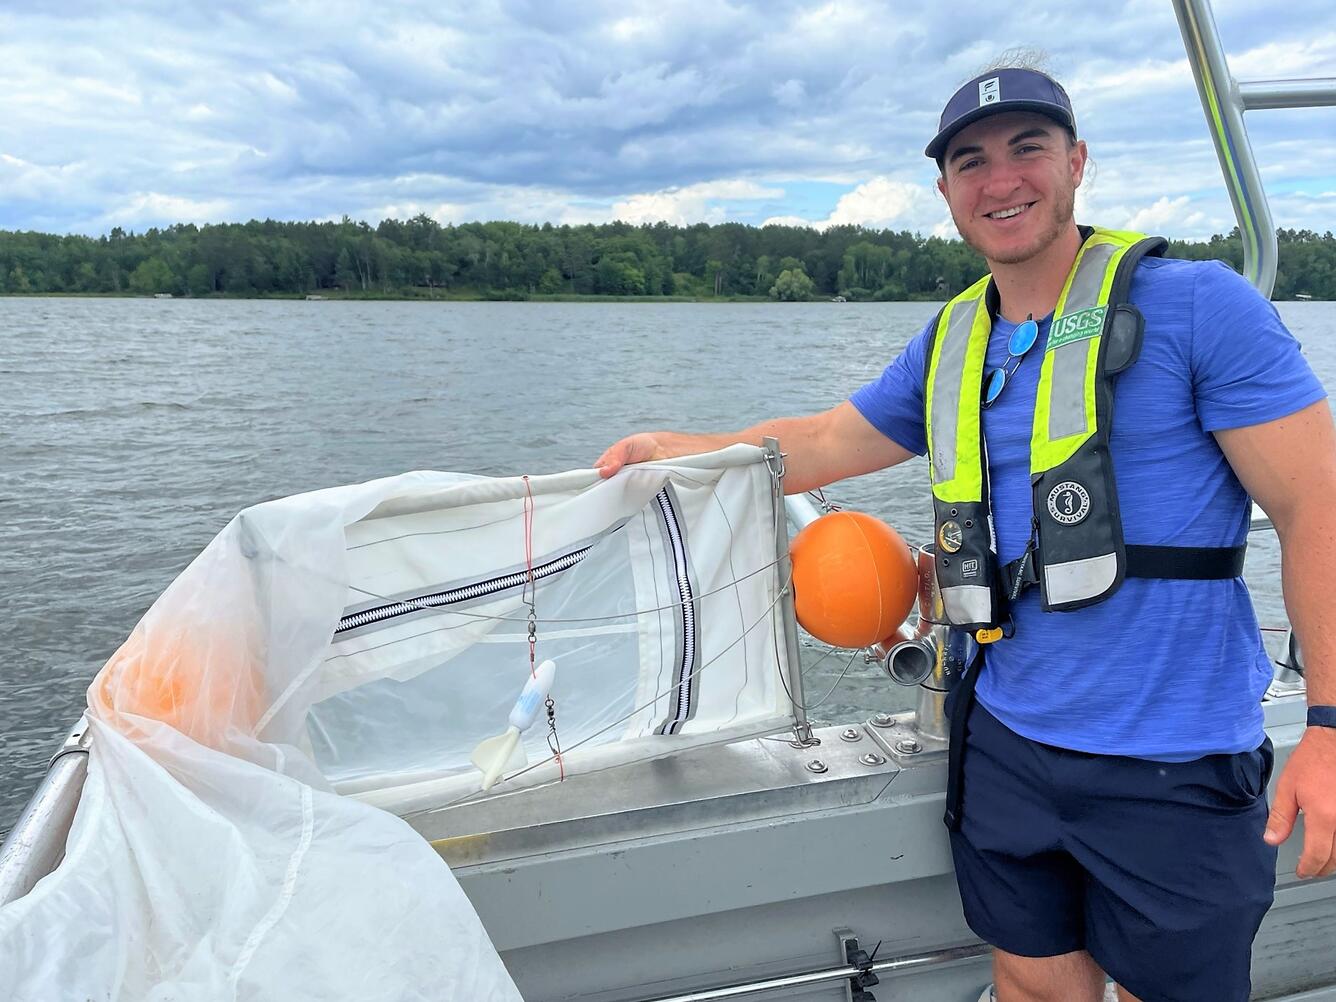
x=132, y=430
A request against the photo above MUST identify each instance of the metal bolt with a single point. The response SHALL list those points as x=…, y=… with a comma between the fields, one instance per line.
x=883, y=720
x=816, y=765
x=908, y=746
x=851, y=734
x=871, y=758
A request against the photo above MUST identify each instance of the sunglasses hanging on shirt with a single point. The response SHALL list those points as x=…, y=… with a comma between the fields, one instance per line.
x=1022, y=340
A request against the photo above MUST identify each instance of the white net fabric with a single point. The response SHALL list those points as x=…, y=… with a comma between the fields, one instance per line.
x=363, y=640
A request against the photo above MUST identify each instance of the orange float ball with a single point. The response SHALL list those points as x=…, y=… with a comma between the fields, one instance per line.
x=854, y=579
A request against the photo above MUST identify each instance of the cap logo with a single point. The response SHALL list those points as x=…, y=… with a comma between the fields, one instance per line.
x=990, y=91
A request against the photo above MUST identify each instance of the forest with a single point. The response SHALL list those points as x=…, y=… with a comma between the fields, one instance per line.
x=421, y=258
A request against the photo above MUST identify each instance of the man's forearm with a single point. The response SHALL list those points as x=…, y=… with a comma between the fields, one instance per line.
x=819, y=449
x=799, y=439
x=1308, y=575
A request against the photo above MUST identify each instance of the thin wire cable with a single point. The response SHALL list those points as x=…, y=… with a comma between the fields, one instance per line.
x=421, y=606
x=829, y=652
x=730, y=584
x=829, y=692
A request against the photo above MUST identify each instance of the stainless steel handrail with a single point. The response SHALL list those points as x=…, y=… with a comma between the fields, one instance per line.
x=1262, y=94
x=36, y=844
x=1224, y=100
x=897, y=965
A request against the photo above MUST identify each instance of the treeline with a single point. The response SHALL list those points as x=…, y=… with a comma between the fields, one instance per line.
x=419, y=257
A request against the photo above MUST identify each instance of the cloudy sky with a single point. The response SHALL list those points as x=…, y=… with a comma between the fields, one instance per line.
x=148, y=112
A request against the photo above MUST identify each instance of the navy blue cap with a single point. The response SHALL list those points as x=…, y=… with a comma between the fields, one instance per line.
x=997, y=91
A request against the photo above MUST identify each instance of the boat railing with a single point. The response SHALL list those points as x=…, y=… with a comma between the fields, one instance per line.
x=1224, y=101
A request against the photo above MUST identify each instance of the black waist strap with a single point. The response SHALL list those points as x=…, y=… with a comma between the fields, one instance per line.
x=1185, y=563
x=1181, y=563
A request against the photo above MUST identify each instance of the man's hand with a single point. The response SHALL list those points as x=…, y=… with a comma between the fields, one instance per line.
x=1308, y=783
x=632, y=449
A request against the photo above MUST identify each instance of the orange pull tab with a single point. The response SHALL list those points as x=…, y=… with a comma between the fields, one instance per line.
x=988, y=636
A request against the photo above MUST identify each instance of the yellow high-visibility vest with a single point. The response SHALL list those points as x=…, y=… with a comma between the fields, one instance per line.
x=1077, y=552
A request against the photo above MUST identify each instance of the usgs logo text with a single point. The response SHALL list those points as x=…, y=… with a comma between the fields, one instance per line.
x=1075, y=326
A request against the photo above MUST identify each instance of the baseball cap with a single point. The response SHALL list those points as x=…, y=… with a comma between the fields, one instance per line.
x=997, y=91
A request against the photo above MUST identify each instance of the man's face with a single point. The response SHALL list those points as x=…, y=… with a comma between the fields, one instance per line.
x=1010, y=181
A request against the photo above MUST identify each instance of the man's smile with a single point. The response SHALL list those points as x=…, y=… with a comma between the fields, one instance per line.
x=1010, y=212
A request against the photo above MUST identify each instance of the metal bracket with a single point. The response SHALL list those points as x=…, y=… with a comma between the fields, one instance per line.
x=856, y=987
x=803, y=736
x=774, y=459
x=78, y=740
x=904, y=744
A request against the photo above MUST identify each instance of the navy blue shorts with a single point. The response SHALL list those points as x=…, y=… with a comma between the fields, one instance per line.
x=1158, y=869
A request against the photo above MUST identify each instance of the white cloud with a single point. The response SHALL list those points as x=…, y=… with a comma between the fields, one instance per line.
x=881, y=203
x=155, y=209
x=1314, y=56
x=442, y=212
x=1167, y=215
x=534, y=111
x=23, y=181
x=790, y=94
x=885, y=203
x=693, y=204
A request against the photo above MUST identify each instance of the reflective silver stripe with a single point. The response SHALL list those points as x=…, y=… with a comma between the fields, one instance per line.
x=1067, y=398
x=968, y=604
x=1089, y=277
x=947, y=380
x=1080, y=579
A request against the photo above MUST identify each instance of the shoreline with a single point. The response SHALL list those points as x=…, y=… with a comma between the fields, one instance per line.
x=461, y=297
x=332, y=296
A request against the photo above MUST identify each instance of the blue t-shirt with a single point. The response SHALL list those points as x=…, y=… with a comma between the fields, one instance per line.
x=1164, y=669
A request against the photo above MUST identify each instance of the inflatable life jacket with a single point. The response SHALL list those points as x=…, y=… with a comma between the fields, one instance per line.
x=1076, y=553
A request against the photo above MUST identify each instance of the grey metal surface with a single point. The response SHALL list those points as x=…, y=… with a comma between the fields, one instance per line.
x=748, y=885
x=702, y=788
x=36, y=844
x=1315, y=995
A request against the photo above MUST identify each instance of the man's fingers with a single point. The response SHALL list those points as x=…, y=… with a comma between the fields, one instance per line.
x=1316, y=859
x=1330, y=868
x=633, y=449
x=616, y=456
x=1280, y=822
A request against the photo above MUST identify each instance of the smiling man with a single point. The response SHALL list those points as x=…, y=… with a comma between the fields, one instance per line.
x=1107, y=794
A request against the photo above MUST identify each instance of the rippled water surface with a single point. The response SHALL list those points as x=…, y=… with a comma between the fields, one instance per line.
x=132, y=430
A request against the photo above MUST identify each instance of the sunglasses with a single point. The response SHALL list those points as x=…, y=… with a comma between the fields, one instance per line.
x=1022, y=340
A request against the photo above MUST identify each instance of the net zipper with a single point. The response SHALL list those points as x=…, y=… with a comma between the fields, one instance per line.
x=467, y=593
